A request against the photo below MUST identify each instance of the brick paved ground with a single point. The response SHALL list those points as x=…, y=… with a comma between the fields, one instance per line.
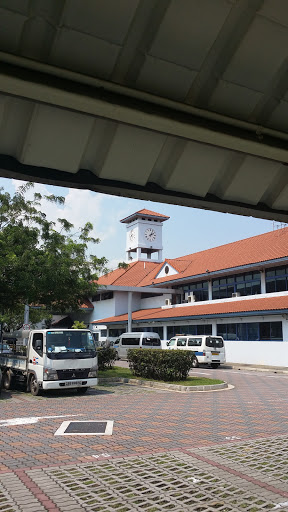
x=220, y=450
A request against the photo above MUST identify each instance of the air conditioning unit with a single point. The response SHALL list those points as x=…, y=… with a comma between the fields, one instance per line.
x=191, y=298
x=167, y=302
x=236, y=294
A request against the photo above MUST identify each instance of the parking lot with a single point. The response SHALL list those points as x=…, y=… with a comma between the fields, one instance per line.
x=217, y=450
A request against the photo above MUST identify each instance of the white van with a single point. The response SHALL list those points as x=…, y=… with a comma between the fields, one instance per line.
x=136, y=340
x=207, y=349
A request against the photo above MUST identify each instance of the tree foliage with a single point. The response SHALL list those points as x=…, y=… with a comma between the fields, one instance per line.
x=40, y=265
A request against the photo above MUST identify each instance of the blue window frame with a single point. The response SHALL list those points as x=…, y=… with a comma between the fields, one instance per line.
x=175, y=330
x=251, y=331
x=276, y=279
x=248, y=283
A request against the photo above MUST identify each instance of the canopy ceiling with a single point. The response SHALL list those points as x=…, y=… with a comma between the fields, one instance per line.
x=178, y=101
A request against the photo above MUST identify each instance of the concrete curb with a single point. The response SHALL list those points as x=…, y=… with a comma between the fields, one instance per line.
x=259, y=368
x=162, y=385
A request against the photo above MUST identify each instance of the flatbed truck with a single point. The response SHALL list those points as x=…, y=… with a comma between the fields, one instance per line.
x=54, y=359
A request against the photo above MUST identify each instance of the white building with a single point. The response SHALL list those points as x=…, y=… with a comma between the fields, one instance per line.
x=238, y=290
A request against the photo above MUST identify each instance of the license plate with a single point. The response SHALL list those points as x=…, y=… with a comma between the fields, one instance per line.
x=215, y=353
x=75, y=382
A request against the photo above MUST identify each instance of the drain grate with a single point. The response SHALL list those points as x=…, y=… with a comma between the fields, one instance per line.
x=85, y=428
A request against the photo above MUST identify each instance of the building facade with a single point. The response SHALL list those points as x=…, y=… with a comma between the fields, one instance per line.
x=238, y=290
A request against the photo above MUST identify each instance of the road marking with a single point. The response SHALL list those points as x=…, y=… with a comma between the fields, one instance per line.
x=32, y=419
x=281, y=505
x=232, y=438
x=101, y=455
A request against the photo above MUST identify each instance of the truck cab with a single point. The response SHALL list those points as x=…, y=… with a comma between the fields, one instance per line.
x=55, y=359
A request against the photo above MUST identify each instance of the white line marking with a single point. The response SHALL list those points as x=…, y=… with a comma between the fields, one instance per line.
x=232, y=438
x=281, y=505
x=32, y=419
x=101, y=455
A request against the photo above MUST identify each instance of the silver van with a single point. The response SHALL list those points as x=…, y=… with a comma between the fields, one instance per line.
x=136, y=340
x=207, y=349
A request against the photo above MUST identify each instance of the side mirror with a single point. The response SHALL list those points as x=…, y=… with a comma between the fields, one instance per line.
x=167, y=343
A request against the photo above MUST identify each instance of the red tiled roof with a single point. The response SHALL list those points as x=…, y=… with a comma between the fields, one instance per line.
x=257, y=249
x=86, y=304
x=148, y=213
x=132, y=276
x=155, y=214
x=202, y=309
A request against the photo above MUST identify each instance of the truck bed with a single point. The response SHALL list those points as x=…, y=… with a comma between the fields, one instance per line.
x=13, y=361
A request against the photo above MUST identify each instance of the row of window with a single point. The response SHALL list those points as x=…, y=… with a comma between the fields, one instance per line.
x=253, y=331
x=250, y=331
x=248, y=283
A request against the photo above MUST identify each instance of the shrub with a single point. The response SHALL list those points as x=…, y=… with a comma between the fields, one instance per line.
x=160, y=364
x=106, y=357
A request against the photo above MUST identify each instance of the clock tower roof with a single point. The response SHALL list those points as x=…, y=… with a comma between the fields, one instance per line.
x=145, y=214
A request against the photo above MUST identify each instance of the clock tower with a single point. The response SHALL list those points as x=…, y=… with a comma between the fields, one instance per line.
x=144, y=236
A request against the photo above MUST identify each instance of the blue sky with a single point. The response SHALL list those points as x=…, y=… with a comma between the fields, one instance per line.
x=188, y=230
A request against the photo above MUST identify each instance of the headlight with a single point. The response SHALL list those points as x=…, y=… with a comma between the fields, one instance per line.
x=93, y=372
x=50, y=374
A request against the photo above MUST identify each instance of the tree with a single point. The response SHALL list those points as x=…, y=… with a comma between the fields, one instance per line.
x=79, y=325
x=39, y=265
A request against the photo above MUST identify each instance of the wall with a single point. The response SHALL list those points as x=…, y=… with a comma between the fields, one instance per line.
x=154, y=302
x=121, y=302
x=102, y=309
x=267, y=353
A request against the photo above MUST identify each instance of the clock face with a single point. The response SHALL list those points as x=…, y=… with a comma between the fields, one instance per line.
x=150, y=234
x=132, y=235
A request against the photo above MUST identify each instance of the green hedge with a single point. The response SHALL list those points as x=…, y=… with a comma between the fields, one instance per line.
x=106, y=357
x=160, y=364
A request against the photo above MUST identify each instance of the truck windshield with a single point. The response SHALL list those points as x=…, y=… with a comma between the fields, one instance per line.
x=70, y=345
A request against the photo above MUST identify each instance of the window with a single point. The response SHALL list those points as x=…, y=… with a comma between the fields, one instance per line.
x=214, y=342
x=199, y=290
x=251, y=331
x=102, y=296
x=181, y=342
x=37, y=343
x=151, y=342
x=178, y=330
x=248, y=283
x=277, y=279
x=130, y=341
x=114, y=333
x=194, y=342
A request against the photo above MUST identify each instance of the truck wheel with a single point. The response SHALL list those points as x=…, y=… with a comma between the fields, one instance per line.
x=7, y=380
x=81, y=391
x=34, y=386
x=195, y=363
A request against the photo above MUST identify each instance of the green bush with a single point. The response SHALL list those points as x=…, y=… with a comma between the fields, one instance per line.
x=160, y=364
x=106, y=357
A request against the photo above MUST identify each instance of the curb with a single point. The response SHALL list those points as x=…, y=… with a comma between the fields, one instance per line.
x=258, y=368
x=162, y=385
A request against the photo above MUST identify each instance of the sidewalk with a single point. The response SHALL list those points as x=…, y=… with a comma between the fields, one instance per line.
x=220, y=451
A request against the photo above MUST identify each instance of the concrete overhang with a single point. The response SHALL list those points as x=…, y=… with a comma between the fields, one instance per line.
x=182, y=102
x=138, y=289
